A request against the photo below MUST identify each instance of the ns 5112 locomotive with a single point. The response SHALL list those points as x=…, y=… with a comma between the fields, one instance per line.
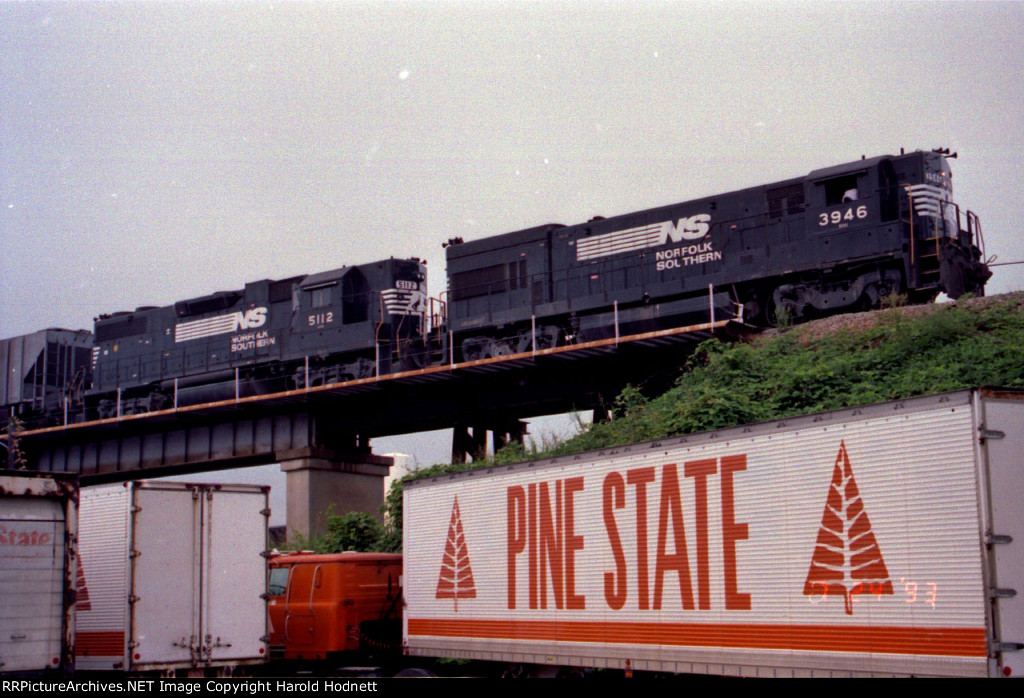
x=271, y=336
x=841, y=238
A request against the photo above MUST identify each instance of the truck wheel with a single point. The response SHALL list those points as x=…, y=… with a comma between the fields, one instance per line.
x=414, y=672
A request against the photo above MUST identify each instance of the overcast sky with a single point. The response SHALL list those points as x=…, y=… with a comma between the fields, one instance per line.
x=156, y=151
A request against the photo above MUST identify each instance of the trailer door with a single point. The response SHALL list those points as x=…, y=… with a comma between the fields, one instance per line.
x=234, y=617
x=32, y=578
x=1004, y=444
x=166, y=574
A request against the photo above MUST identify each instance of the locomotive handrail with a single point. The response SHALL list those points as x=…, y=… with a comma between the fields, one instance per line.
x=448, y=368
x=910, y=221
x=615, y=311
x=451, y=365
x=376, y=334
x=377, y=377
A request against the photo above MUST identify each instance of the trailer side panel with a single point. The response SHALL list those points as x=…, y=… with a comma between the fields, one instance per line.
x=845, y=543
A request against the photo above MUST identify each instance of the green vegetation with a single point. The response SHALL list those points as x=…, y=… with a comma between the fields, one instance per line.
x=792, y=373
x=355, y=531
x=897, y=357
x=894, y=355
x=14, y=457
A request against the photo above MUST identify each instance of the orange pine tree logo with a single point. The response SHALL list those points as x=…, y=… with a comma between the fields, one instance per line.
x=456, y=579
x=81, y=590
x=847, y=559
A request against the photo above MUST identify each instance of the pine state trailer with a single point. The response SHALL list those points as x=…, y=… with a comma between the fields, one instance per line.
x=878, y=540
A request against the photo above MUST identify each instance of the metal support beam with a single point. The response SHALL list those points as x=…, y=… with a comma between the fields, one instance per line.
x=192, y=445
x=471, y=443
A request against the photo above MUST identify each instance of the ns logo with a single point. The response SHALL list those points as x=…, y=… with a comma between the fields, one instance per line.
x=692, y=228
x=250, y=319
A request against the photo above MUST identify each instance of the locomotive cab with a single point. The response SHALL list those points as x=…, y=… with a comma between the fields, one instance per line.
x=880, y=226
x=376, y=312
x=946, y=244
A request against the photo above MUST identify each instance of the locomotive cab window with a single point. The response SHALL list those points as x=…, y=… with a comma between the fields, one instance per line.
x=841, y=190
x=320, y=297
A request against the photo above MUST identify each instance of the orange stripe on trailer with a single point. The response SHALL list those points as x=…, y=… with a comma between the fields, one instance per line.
x=106, y=643
x=948, y=642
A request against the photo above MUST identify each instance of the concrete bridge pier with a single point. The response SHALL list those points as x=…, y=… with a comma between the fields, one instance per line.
x=323, y=482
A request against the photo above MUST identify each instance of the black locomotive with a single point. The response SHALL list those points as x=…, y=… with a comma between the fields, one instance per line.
x=271, y=336
x=841, y=238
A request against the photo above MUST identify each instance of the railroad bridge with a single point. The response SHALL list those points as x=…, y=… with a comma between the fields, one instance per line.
x=321, y=435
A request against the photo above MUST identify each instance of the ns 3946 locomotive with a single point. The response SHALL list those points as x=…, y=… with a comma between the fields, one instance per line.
x=838, y=239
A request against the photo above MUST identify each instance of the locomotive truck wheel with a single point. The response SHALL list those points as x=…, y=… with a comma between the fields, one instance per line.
x=780, y=314
x=500, y=347
x=474, y=349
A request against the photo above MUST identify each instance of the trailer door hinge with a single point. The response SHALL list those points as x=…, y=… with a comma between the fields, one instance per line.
x=1009, y=646
x=1003, y=593
x=993, y=434
x=997, y=539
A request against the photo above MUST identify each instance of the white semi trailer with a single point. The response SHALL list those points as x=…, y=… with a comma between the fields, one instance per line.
x=38, y=522
x=173, y=578
x=878, y=540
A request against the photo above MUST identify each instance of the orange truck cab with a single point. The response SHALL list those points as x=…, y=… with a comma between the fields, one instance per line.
x=326, y=606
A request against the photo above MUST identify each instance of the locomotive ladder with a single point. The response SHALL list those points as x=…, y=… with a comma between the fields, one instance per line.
x=926, y=261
